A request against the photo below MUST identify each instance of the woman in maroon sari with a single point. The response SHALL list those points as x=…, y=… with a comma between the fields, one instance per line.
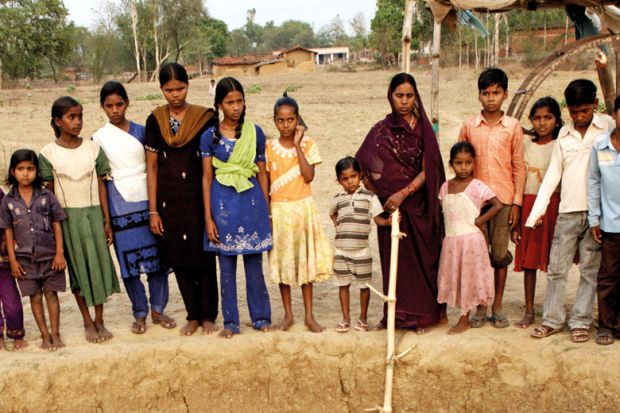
x=402, y=164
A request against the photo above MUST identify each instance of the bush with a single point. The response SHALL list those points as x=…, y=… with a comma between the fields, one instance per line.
x=291, y=88
x=254, y=89
x=70, y=88
x=152, y=96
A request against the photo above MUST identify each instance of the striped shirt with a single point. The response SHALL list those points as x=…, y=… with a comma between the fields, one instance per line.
x=354, y=213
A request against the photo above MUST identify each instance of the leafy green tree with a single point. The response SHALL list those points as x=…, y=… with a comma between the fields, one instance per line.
x=386, y=27
x=290, y=33
x=333, y=34
x=35, y=36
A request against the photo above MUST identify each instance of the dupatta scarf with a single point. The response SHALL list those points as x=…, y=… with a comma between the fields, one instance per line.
x=391, y=157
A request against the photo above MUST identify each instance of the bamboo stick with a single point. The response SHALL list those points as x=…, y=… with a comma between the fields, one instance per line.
x=435, y=78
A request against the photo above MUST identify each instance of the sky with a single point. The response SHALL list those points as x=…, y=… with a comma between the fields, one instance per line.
x=233, y=12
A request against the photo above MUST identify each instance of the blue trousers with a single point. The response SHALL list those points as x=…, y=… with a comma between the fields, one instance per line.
x=158, y=293
x=256, y=291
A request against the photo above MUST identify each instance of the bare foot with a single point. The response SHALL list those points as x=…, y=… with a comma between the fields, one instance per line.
x=226, y=333
x=286, y=323
x=103, y=332
x=443, y=317
x=189, y=328
x=419, y=331
x=208, y=327
x=92, y=336
x=19, y=344
x=377, y=327
x=46, y=343
x=57, y=342
x=461, y=326
x=313, y=325
x=1, y=343
x=526, y=321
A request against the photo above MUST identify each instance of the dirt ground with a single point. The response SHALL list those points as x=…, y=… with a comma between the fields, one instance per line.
x=298, y=371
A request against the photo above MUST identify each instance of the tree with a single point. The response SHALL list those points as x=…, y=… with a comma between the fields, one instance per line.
x=35, y=35
x=359, y=40
x=386, y=27
x=179, y=21
x=253, y=31
x=333, y=33
x=209, y=41
x=290, y=33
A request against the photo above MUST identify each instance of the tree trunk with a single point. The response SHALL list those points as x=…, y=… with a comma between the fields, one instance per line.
x=545, y=30
x=467, y=54
x=460, y=47
x=134, y=29
x=406, y=50
x=476, y=54
x=495, y=62
x=566, y=31
x=507, y=34
x=156, y=41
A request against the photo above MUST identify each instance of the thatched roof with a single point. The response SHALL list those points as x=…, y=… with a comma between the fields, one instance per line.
x=506, y=5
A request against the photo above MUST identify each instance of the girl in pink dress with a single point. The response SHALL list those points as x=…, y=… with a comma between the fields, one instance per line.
x=465, y=278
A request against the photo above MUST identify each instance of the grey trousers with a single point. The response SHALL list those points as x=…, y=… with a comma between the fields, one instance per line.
x=572, y=234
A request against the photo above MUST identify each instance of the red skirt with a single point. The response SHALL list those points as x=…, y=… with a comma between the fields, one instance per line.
x=532, y=252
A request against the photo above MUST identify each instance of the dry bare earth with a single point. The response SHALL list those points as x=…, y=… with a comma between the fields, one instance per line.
x=297, y=370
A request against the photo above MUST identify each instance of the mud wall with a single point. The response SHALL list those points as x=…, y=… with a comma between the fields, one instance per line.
x=294, y=373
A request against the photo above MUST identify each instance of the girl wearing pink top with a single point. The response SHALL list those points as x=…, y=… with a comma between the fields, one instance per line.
x=465, y=278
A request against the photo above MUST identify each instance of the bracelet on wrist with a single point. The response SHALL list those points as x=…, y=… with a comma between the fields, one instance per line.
x=153, y=213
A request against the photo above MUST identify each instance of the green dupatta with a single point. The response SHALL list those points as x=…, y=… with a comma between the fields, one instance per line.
x=240, y=166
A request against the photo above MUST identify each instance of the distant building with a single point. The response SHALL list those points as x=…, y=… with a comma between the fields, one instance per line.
x=330, y=55
x=238, y=66
x=281, y=61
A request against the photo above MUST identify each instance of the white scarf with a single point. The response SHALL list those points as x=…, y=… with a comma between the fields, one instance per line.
x=127, y=161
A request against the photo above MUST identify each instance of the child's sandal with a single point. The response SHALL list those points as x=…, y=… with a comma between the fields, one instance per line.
x=361, y=326
x=343, y=327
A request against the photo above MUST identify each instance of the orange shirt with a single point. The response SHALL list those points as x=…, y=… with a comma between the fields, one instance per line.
x=499, y=156
x=286, y=181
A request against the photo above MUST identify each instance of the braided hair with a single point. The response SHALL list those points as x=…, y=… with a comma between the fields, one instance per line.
x=223, y=88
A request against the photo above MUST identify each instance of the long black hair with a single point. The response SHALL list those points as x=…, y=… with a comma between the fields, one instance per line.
x=59, y=108
x=553, y=106
x=23, y=155
x=223, y=88
x=113, y=87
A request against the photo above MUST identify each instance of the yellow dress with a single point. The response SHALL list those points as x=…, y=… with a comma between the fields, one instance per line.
x=301, y=251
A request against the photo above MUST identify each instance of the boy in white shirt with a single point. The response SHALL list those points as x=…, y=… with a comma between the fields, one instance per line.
x=569, y=165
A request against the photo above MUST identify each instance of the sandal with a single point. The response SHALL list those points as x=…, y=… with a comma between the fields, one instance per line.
x=499, y=321
x=543, y=331
x=164, y=321
x=343, y=327
x=139, y=326
x=579, y=335
x=604, y=337
x=361, y=326
x=477, y=321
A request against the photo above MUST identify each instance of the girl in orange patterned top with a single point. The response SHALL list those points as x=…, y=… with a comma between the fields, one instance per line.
x=301, y=252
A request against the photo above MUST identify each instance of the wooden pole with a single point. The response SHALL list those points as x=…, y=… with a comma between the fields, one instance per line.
x=496, y=19
x=391, y=356
x=607, y=84
x=406, y=51
x=436, y=52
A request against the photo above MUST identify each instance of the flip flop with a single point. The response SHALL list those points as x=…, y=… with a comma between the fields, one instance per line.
x=139, y=326
x=361, y=326
x=579, y=335
x=499, y=321
x=543, y=331
x=477, y=321
x=604, y=337
x=343, y=327
x=164, y=321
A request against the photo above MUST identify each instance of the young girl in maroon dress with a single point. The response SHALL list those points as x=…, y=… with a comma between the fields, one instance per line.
x=465, y=278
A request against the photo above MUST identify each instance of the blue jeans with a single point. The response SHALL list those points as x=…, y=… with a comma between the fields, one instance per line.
x=158, y=293
x=256, y=291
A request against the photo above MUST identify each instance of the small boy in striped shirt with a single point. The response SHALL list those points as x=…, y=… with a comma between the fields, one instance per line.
x=352, y=211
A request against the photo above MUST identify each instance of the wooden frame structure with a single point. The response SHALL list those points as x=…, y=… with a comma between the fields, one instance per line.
x=441, y=8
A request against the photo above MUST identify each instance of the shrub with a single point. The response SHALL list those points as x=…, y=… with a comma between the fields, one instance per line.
x=255, y=88
x=152, y=96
